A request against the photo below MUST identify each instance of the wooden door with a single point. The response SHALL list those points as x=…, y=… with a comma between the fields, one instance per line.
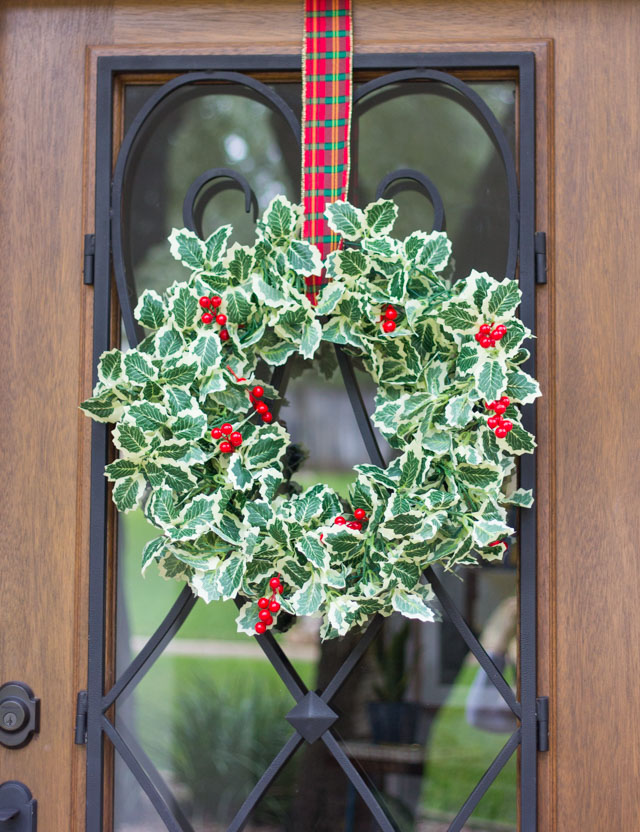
x=586, y=120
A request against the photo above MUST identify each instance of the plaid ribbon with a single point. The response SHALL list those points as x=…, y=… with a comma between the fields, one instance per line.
x=326, y=119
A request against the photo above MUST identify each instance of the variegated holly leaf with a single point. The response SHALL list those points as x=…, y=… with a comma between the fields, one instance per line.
x=346, y=220
x=186, y=247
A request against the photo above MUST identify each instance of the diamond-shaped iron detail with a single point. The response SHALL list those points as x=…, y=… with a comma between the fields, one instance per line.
x=311, y=717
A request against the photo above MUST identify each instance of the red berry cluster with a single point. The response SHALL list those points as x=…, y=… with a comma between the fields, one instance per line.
x=498, y=425
x=207, y=317
x=233, y=440
x=388, y=318
x=268, y=606
x=361, y=517
x=487, y=337
x=255, y=396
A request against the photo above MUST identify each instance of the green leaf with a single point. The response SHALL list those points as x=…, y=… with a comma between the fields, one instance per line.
x=265, y=447
x=205, y=585
x=459, y=411
x=406, y=573
x=240, y=262
x=268, y=294
x=281, y=219
x=304, y=258
x=519, y=441
x=380, y=217
x=277, y=354
x=187, y=247
x=128, y=492
x=130, y=439
x=435, y=252
x=485, y=531
x=169, y=343
x=330, y=296
x=504, y=298
x=207, y=348
x=153, y=550
x=435, y=498
x=490, y=379
x=478, y=476
x=382, y=248
x=150, y=310
x=189, y=426
x=313, y=550
x=247, y=619
x=120, y=468
x=311, y=337
x=178, y=479
x=468, y=357
x=240, y=477
x=398, y=285
x=184, y=307
x=459, y=317
x=148, y=417
x=307, y=600
x=138, y=367
x=106, y=407
x=161, y=508
x=522, y=388
x=342, y=542
x=230, y=576
x=258, y=513
x=182, y=375
x=216, y=244
x=345, y=219
x=522, y=497
x=237, y=306
x=351, y=263
x=411, y=605
x=308, y=505
x=402, y=525
x=110, y=367
x=516, y=333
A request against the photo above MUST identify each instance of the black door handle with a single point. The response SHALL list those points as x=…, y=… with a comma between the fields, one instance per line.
x=18, y=809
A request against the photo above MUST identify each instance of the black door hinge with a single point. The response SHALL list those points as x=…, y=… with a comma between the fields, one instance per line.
x=81, y=718
x=542, y=717
x=540, y=249
x=89, y=255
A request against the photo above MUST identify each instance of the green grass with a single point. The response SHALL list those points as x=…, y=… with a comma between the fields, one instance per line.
x=458, y=755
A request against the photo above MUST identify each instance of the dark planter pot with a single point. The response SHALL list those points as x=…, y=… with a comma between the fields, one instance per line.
x=404, y=723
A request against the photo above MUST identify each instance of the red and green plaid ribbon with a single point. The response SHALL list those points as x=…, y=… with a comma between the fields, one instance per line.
x=326, y=119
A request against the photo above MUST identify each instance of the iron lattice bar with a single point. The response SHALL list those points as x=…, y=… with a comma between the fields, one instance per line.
x=110, y=194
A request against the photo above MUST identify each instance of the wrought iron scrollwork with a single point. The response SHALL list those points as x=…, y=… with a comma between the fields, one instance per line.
x=192, y=216
x=404, y=174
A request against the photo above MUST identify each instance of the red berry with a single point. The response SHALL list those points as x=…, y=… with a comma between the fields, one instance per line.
x=478, y=337
x=499, y=332
x=486, y=342
x=260, y=628
x=267, y=417
x=485, y=329
x=265, y=615
x=391, y=313
x=221, y=319
x=274, y=583
x=224, y=335
x=492, y=342
x=236, y=438
x=354, y=525
x=493, y=421
x=278, y=590
x=206, y=318
x=501, y=432
x=263, y=603
x=226, y=447
x=339, y=521
x=216, y=433
x=388, y=326
x=500, y=408
x=506, y=401
x=258, y=391
x=216, y=301
x=274, y=606
x=507, y=425
x=261, y=407
x=226, y=428
x=490, y=405
x=360, y=514
x=205, y=302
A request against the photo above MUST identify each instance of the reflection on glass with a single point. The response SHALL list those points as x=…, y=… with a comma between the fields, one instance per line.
x=417, y=717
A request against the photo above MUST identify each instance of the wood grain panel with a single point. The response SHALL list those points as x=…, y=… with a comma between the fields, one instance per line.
x=588, y=355
x=41, y=358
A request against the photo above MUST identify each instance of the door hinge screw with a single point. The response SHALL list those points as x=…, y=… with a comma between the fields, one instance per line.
x=540, y=249
x=542, y=716
x=89, y=257
x=81, y=718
